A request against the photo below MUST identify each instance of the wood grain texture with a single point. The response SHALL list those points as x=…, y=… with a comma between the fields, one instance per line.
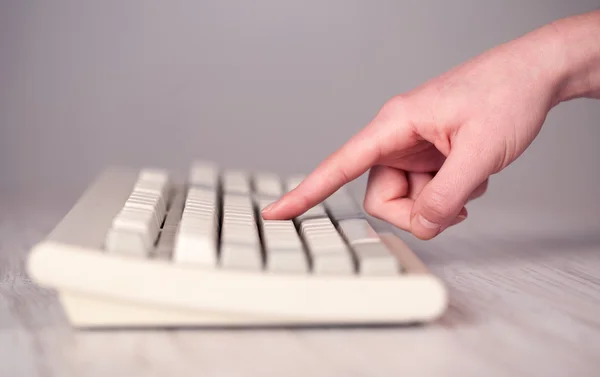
x=519, y=307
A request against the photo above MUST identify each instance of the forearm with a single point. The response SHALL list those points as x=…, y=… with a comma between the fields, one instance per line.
x=579, y=40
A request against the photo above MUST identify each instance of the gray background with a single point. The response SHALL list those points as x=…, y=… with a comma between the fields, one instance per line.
x=259, y=84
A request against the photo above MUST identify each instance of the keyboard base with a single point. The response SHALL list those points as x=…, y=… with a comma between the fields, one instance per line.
x=91, y=310
x=87, y=313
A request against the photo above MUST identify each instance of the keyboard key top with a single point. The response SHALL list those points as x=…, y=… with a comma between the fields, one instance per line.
x=127, y=242
x=267, y=185
x=328, y=251
x=357, y=231
x=195, y=248
x=239, y=234
x=133, y=232
x=243, y=256
x=198, y=194
x=284, y=251
x=166, y=242
x=341, y=205
x=153, y=174
x=153, y=194
x=374, y=258
x=148, y=205
x=314, y=212
x=317, y=211
x=236, y=182
x=293, y=181
x=237, y=201
x=203, y=174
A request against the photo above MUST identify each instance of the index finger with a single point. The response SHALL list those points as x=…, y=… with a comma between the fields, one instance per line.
x=346, y=164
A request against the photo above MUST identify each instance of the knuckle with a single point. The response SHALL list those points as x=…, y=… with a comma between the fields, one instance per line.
x=483, y=187
x=479, y=191
x=393, y=106
x=343, y=176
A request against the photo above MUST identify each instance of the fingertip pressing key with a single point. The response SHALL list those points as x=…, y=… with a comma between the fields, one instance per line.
x=267, y=209
x=346, y=164
x=281, y=209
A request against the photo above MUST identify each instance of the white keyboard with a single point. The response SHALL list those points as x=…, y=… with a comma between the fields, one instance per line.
x=143, y=248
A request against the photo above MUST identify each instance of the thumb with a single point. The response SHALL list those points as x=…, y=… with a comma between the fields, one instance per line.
x=443, y=198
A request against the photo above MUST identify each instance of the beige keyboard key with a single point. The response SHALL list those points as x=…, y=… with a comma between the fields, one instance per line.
x=147, y=205
x=155, y=187
x=267, y=185
x=357, y=231
x=241, y=247
x=165, y=245
x=203, y=174
x=138, y=218
x=314, y=212
x=196, y=246
x=318, y=226
x=317, y=211
x=284, y=251
x=153, y=175
x=153, y=180
x=236, y=182
x=236, y=233
x=241, y=256
x=341, y=205
x=197, y=235
x=293, y=181
x=133, y=232
x=328, y=251
x=374, y=258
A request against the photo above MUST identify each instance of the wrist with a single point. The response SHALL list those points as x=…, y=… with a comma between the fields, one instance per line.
x=577, y=40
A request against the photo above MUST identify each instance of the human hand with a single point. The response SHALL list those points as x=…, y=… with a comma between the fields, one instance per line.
x=433, y=149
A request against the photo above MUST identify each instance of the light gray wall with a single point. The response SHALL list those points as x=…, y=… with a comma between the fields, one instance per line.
x=259, y=84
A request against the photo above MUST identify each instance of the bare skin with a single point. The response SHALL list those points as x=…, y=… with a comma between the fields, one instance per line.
x=432, y=150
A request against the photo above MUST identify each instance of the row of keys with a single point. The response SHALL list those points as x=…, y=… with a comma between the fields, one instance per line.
x=135, y=229
x=269, y=185
x=201, y=228
x=285, y=249
x=263, y=184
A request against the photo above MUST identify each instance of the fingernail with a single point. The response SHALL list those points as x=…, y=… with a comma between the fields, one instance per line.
x=426, y=223
x=268, y=208
x=459, y=219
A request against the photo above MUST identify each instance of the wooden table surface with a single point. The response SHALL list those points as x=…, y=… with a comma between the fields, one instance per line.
x=520, y=306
